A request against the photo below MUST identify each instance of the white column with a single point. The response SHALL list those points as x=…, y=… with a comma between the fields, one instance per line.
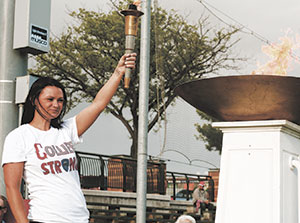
x=256, y=183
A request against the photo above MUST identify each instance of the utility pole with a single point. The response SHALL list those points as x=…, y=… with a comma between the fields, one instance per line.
x=25, y=28
x=141, y=203
x=13, y=63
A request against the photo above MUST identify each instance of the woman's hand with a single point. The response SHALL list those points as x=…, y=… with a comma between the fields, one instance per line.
x=126, y=61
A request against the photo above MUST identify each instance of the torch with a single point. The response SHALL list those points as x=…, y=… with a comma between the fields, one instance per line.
x=131, y=26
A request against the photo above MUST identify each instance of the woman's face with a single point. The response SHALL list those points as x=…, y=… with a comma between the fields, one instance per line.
x=50, y=102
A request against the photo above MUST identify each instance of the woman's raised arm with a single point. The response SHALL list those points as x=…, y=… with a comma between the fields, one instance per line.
x=87, y=116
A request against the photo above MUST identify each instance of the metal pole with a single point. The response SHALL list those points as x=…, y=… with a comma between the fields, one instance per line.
x=12, y=64
x=143, y=113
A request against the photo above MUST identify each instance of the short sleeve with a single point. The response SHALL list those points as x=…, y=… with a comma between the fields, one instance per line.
x=70, y=124
x=14, y=148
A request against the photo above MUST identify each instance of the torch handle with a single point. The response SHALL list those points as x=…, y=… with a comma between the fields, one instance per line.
x=127, y=73
x=129, y=48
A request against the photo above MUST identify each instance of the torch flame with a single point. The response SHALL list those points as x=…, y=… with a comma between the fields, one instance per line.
x=281, y=56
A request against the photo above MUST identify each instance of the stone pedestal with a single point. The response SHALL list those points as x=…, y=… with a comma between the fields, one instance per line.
x=257, y=184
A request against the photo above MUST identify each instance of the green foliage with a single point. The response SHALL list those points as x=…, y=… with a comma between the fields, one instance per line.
x=210, y=135
x=84, y=56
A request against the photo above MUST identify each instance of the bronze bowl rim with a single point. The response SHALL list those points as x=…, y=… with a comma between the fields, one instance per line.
x=245, y=97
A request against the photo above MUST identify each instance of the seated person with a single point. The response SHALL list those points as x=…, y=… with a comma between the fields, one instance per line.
x=201, y=198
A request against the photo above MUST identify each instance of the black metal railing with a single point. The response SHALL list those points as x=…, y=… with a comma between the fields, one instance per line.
x=118, y=173
x=181, y=185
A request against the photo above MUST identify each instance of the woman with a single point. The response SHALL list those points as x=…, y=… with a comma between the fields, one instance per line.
x=41, y=150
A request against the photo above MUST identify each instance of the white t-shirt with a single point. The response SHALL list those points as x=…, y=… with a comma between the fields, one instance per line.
x=50, y=171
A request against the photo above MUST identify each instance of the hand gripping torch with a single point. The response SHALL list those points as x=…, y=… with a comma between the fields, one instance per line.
x=131, y=27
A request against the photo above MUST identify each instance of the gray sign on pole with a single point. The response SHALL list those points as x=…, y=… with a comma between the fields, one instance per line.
x=32, y=25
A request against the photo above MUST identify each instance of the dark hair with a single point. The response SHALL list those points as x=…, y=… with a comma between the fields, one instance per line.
x=34, y=93
x=5, y=203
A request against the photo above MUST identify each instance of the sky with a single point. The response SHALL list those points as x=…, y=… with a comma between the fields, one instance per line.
x=263, y=20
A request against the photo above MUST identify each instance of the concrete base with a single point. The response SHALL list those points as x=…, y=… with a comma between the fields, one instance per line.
x=256, y=181
x=129, y=198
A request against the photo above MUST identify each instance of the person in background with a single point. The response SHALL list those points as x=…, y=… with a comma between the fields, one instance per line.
x=3, y=208
x=42, y=151
x=186, y=219
x=201, y=198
